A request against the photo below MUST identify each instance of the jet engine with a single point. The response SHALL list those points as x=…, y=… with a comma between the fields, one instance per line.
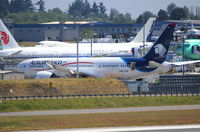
x=45, y=74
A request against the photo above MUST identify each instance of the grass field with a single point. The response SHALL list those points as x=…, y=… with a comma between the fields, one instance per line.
x=30, y=44
x=100, y=120
x=91, y=103
x=40, y=87
x=27, y=44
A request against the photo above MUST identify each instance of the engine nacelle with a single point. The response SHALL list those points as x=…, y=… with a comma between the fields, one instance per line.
x=44, y=74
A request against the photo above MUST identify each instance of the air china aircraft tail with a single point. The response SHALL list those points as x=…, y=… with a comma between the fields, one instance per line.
x=7, y=40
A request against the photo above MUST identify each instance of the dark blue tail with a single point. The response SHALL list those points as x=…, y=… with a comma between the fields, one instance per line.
x=158, y=51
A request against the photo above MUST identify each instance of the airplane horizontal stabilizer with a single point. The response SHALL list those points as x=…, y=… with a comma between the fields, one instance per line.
x=183, y=63
x=153, y=64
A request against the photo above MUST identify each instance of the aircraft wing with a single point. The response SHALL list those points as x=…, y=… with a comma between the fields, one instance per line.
x=61, y=71
x=183, y=63
x=153, y=64
x=116, y=54
x=10, y=53
x=119, y=54
x=66, y=72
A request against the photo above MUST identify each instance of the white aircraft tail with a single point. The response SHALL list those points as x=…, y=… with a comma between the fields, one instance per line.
x=7, y=40
x=139, y=38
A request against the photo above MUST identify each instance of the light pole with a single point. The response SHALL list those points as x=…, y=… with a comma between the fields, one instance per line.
x=61, y=24
x=91, y=36
x=183, y=37
x=77, y=41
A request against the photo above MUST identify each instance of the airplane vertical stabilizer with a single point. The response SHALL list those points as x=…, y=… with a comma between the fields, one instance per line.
x=139, y=38
x=159, y=50
x=7, y=40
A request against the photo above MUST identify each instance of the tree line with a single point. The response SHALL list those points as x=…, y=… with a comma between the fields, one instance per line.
x=25, y=11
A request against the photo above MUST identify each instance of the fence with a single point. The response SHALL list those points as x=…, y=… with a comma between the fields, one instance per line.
x=98, y=96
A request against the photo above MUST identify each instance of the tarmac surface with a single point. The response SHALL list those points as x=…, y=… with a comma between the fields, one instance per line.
x=172, y=128
x=106, y=110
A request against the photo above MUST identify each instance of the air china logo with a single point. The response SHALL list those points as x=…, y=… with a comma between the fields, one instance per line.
x=4, y=37
x=160, y=49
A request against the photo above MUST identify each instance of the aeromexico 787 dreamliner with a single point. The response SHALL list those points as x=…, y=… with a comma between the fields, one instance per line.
x=116, y=67
x=12, y=50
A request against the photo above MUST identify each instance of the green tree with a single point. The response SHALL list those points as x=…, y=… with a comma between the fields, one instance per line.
x=119, y=18
x=56, y=14
x=170, y=8
x=86, y=33
x=21, y=6
x=102, y=8
x=28, y=5
x=140, y=19
x=113, y=14
x=127, y=18
x=144, y=17
x=95, y=8
x=75, y=9
x=41, y=4
x=86, y=8
x=4, y=5
x=162, y=15
x=187, y=11
x=178, y=14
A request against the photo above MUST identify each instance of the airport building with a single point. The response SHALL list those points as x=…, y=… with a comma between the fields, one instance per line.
x=68, y=31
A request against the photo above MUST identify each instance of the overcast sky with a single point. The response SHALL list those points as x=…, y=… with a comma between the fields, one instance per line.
x=134, y=7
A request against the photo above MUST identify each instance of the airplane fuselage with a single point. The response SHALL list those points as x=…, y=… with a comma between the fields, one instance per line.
x=71, y=50
x=111, y=67
x=191, y=49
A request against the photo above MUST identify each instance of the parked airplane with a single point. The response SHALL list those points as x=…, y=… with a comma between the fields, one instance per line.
x=12, y=50
x=139, y=38
x=115, y=67
x=192, y=31
x=191, y=49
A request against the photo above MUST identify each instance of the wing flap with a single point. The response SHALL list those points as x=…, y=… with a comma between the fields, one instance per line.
x=61, y=71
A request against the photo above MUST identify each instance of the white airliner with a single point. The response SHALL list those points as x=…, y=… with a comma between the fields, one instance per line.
x=10, y=48
x=116, y=67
